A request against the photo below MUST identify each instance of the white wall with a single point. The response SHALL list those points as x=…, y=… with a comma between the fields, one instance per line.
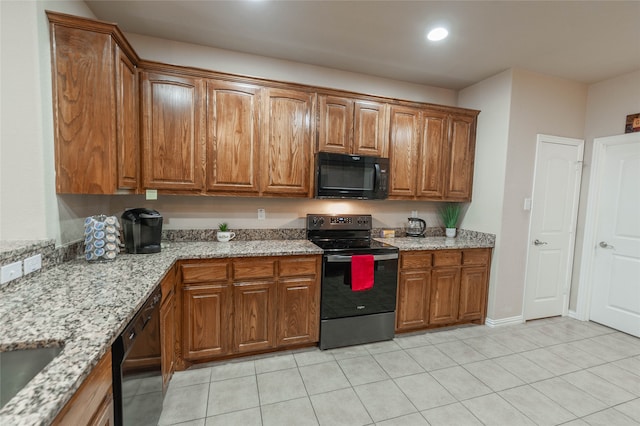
x=178, y=53
x=516, y=105
x=29, y=208
x=608, y=104
x=493, y=98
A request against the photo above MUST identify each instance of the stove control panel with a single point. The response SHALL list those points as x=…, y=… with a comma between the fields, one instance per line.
x=342, y=221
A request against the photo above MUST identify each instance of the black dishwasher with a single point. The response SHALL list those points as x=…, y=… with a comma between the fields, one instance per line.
x=137, y=374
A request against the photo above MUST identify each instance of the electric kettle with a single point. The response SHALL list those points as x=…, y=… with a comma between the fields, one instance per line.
x=416, y=227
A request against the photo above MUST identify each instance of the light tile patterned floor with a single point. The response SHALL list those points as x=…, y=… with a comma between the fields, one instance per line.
x=545, y=372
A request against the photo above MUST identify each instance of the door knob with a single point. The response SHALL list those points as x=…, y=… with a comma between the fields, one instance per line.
x=604, y=244
x=539, y=243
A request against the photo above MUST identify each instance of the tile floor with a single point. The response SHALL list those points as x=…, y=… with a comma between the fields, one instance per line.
x=545, y=372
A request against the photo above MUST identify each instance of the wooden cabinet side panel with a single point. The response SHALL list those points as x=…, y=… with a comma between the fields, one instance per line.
x=335, y=124
x=254, y=316
x=461, y=158
x=167, y=339
x=404, y=134
x=127, y=113
x=432, y=166
x=232, y=137
x=88, y=402
x=473, y=289
x=413, y=300
x=298, y=312
x=206, y=321
x=287, y=128
x=84, y=111
x=445, y=289
x=370, y=129
x=173, y=132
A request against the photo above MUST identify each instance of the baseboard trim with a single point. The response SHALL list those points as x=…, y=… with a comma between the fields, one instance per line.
x=503, y=321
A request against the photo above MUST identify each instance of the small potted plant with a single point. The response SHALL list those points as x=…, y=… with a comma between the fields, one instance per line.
x=450, y=214
x=224, y=235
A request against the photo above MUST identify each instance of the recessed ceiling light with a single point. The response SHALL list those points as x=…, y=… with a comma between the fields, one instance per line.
x=437, y=34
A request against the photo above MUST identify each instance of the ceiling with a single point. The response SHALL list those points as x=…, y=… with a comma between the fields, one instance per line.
x=585, y=41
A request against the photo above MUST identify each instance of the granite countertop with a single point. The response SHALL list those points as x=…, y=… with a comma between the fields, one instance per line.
x=439, y=243
x=84, y=306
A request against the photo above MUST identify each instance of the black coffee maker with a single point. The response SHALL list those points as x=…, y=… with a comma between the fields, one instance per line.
x=142, y=230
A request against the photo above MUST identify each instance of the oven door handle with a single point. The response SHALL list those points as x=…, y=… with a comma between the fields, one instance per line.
x=336, y=258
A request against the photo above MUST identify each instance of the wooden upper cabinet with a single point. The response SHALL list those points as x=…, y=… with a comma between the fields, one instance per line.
x=351, y=126
x=335, y=125
x=287, y=129
x=232, y=137
x=433, y=149
x=128, y=139
x=462, y=138
x=173, y=132
x=84, y=110
x=404, y=135
x=370, y=129
x=95, y=107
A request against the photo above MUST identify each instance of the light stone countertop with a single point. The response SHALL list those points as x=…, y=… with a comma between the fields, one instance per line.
x=84, y=306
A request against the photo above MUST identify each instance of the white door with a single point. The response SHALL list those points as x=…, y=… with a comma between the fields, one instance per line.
x=615, y=296
x=556, y=190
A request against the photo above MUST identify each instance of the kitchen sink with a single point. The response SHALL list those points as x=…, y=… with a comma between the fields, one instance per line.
x=18, y=367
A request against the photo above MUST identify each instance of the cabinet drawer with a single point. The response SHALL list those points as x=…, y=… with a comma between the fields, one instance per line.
x=298, y=266
x=475, y=257
x=415, y=260
x=447, y=258
x=205, y=272
x=253, y=268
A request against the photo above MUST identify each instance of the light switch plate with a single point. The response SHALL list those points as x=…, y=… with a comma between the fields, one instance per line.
x=151, y=194
x=414, y=213
x=261, y=214
x=10, y=272
x=527, y=204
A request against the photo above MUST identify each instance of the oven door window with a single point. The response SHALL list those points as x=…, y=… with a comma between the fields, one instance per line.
x=339, y=301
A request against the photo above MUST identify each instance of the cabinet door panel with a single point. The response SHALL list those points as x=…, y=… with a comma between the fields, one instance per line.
x=370, y=133
x=335, y=131
x=413, y=300
x=432, y=161
x=128, y=140
x=404, y=134
x=84, y=111
x=206, y=321
x=255, y=315
x=473, y=293
x=461, y=156
x=167, y=339
x=232, y=137
x=445, y=289
x=287, y=127
x=173, y=131
x=298, y=312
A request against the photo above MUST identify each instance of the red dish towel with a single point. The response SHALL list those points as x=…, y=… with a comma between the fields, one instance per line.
x=361, y=272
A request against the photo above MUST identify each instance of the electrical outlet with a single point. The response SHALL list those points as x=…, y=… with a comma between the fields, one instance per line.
x=10, y=272
x=151, y=194
x=261, y=214
x=414, y=213
x=32, y=264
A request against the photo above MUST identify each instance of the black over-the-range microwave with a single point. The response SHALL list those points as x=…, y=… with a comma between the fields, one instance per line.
x=351, y=176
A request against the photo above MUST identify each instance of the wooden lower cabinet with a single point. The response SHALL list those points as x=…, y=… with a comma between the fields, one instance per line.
x=247, y=305
x=445, y=291
x=167, y=339
x=442, y=287
x=92, y=404
x=298, y=311
x=206, y=330
x=413, y=300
